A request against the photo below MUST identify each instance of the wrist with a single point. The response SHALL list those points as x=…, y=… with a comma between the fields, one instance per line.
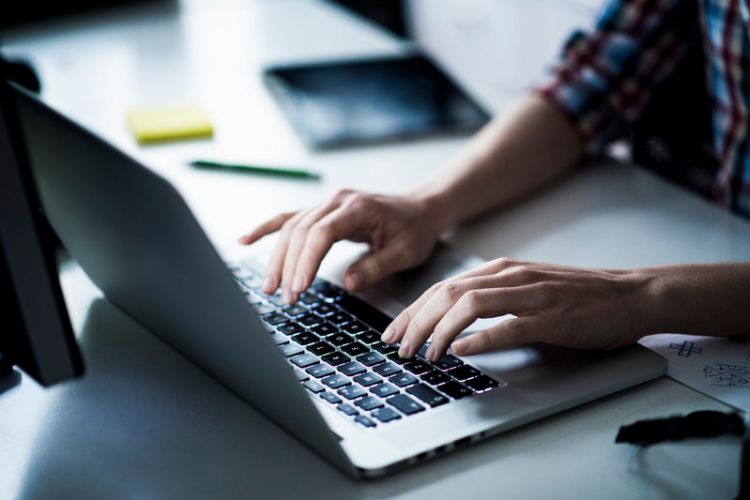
x=656, y=302
x=435, y=207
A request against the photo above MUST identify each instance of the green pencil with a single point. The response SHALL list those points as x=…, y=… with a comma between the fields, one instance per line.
x=258, y=169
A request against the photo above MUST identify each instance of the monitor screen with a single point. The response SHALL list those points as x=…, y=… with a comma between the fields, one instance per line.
x=36, y=335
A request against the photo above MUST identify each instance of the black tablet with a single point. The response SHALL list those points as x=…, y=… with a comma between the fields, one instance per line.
x=374, y=100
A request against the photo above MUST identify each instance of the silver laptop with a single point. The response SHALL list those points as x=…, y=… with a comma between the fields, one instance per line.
x=317, y=368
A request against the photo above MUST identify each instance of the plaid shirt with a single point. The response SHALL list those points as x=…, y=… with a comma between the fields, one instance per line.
x=605, y=78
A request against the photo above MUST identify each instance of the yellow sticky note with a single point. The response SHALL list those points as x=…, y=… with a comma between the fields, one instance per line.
x=169, y=123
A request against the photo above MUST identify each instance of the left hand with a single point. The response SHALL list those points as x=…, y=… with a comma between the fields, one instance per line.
x=559, y=305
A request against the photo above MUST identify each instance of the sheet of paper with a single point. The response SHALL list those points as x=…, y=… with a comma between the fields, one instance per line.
x=719, y=368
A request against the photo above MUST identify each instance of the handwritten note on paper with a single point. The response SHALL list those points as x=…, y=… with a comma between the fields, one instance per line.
x=717, y=367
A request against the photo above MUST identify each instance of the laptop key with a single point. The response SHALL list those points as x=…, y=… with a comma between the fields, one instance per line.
x=397, y=359
x=309, y=320
x=367, y=379
x=304, y=360
x=290, y=349
x=324, y=329
x=352, y=368
x=387, y=370
x=340, y=339
x=275, y=318
x=385, y=415
x=481, y=383
x=403, y=379
x=336, y=381
x=371, y=359
x=339, y=318
x=320, y=348
x=295, y=310
x=313, y=386
x=336, y=358
x=369, y=403
x=331, y=398
x=352, y=392
x=405, y=404
x=384, y=348
x=417, y=367
x=348, y=409
x=324, y=309
x=328, y=290
x=365, y=421
x=355, y=349
x=291, y=328
x=354, y=327
x=319, y=370
x=435, y=377
x=455, y=390
x=301, y=376
x=464, y=372
x=368, y=337
x=309, y=298
x=447, y=362
x=427, y=395
x=305, y=338
x=384, y=390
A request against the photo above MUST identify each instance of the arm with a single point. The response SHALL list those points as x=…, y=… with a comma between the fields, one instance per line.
x=511, y=157
x=575, y=307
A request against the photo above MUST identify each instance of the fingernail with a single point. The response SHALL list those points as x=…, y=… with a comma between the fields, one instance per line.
x=355, y=280
x=404, y=349
x=430, y=354
x=460, y=347
x=299, y=283
x=388, y=335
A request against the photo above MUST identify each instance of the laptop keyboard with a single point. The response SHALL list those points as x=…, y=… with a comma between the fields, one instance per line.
x=332, y=340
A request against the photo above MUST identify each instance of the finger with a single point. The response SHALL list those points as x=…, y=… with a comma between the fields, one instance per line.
x=273, y=268
x=396, y=330
x=268, y=227
x=475, y=304
x=511, y=333
x=491, y=267
x=374, y=267
x=289, y=278
x=432, y=311
x=335, y=226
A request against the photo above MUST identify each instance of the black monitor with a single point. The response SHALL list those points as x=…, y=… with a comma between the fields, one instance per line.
x=36, y=333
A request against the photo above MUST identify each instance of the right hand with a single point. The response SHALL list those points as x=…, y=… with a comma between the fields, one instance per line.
x=401, y=231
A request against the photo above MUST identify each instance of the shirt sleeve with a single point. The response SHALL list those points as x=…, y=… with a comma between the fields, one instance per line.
x=604, y=78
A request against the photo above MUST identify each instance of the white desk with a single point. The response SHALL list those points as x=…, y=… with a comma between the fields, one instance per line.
x=146, y=423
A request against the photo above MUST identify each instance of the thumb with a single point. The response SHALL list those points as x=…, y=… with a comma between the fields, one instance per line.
x=372, y=268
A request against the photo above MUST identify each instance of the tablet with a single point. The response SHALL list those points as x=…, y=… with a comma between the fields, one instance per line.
x=346, y=103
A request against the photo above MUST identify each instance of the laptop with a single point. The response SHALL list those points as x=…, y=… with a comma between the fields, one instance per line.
x=316, y=368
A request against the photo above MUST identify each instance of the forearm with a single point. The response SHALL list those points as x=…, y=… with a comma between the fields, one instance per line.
x=512, y=156
x=701, y=299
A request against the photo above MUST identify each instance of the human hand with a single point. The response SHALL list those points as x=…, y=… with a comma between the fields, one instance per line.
x=559, y=305
x=402, y=232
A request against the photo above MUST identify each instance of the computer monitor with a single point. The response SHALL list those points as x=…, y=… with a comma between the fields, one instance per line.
x=36, y=333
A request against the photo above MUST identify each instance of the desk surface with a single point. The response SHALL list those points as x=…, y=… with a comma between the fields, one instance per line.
x=144, y=422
